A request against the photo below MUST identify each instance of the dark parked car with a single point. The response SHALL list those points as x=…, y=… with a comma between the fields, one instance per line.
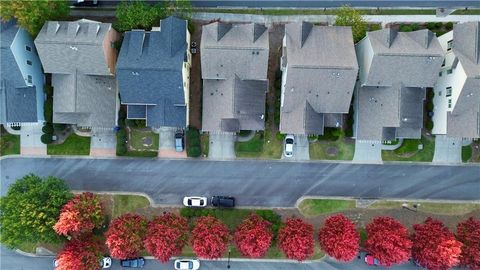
x=223, y=201
x=133, y=263
x=86, y=3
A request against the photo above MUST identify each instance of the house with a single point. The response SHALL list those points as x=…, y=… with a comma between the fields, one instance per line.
x=395, y=70
x=153, y=73
x=21, y=78
x=234, y=60
x=319, y=72
x=457, y=92
x=81, y=57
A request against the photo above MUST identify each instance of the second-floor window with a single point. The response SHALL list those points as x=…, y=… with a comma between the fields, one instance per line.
x=449, y=45
x=449, y=91
x=449, y=71
x=449, y=103
x=29, y=62
x=28, y=48
x=29, y=79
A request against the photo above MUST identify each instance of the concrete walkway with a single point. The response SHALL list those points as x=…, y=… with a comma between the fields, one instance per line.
x=222, y=146
x=447, y=150
x=392, y=146
x=330, y=19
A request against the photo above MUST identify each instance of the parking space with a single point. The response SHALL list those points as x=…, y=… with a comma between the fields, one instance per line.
x=166, y=145
x=221, y=146
x=368, y=152
x=447, y=150
x=30, y=143
x=103, y=143
x=301, y=150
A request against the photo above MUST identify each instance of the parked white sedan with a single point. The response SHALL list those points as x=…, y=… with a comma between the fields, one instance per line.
x=187, y=264
x=289, y=141
x=195, y=201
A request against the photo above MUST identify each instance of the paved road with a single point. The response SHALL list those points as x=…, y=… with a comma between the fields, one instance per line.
x=10, y=260
x=325, y=4
x=253, y=182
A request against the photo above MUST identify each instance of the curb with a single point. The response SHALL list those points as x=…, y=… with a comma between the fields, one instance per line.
x=33, y=255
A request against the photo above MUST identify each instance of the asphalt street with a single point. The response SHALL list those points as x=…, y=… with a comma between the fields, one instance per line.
x=10, y=260
x=252, y=182
x=324, y=4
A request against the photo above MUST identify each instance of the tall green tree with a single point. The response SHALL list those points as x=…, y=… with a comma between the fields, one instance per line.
x=348, y=16
x=31, y=15
x=30, y=209
x=138, y=15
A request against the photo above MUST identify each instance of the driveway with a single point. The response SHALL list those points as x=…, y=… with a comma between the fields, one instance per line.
x=30, y=143
x=103, y=143
x=166, y=146
x=301, y=150
x=368, y=152
x=447, y=150
x=259, y=183
x=222, y=146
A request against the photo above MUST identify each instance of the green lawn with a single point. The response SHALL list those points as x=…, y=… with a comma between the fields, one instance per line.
x=409, y=151
x=128, y=203
x=73, y=145
x=430, y=207
x=279, y=12
x=204, y=142
x=263, y=145
x=315, y=207
x=9, y=144
x=466, y=12
x=332, y=146
x=142, y=140
x=466, y=153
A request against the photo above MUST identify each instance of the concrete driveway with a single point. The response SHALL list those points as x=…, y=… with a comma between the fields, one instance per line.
x=103, y=143
x=30, y=143
x=301, y=150
x=447, y=150
x=368, y=152
x=222, y=146
x=166, y=146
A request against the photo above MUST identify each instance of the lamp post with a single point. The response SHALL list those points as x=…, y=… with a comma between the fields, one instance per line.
x=228, y=262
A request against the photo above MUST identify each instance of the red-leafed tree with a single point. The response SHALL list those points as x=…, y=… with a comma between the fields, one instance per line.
x=210, y=238
x=468, y=232
x=434, y=246
x=82, y=213
x=388, y=241
x=166, y=236
x=253, y=236
x=339, y=238
x=125, y=236
x=82, y=253
x=295, y=239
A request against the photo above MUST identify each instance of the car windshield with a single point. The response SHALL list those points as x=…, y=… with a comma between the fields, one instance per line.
x=289, y=141
x=189, y=201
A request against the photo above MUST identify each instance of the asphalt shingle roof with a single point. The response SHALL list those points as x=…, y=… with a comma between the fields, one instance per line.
x=85, y=89
x=17, y=100
x=320, y=77
x=464, y=120
x=401, y=65
x=149, y=71
x=234, y=62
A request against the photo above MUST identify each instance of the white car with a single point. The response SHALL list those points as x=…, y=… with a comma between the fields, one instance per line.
x=289, y=141
x=195, y=201
x=187, y=264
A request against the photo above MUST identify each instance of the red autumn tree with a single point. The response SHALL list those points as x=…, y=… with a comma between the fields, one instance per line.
x=388, y=241
x=468, y=232
x=295, y=239
x=166, y=236
x=253, y=236
x=339, y=238
x=125, y=236
x=210, y=238
x=434, y=246
x=82, y=213
x=82, y=253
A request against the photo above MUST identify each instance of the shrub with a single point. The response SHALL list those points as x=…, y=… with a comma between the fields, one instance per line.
x=295, y=239
x=253, y=236
x=339, y=239
x=121, y=142
x=47, y=128
x=48, y=110
x=468, y=232
x=210, y=238
x=438, y=25
x=194, y=151
x=60, y=127
x=193, y=142
x=432, y=25
x=429, y=124
x=449, y=26
x=46, y=139
x=430, y=106
x=272, y=217
x=405, y=28
x=415, y=27
x=125, y=236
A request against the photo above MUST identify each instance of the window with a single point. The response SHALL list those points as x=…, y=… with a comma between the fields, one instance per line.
x=440, y=93
x=449, y=103
x=449, y=45
x=29, y=79
x=443, y=63
x=449, y=91
x=28, y=48
x=440, y=74
x=449, y=71
x=29, y=62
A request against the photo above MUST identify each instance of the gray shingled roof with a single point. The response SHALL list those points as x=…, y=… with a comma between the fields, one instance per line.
x=149, y=71
x=402, y=65
x=320, y=77
x=85, y=89
x=18, y=102
x=234, y=62
x=385, y=113
x=464, y=120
